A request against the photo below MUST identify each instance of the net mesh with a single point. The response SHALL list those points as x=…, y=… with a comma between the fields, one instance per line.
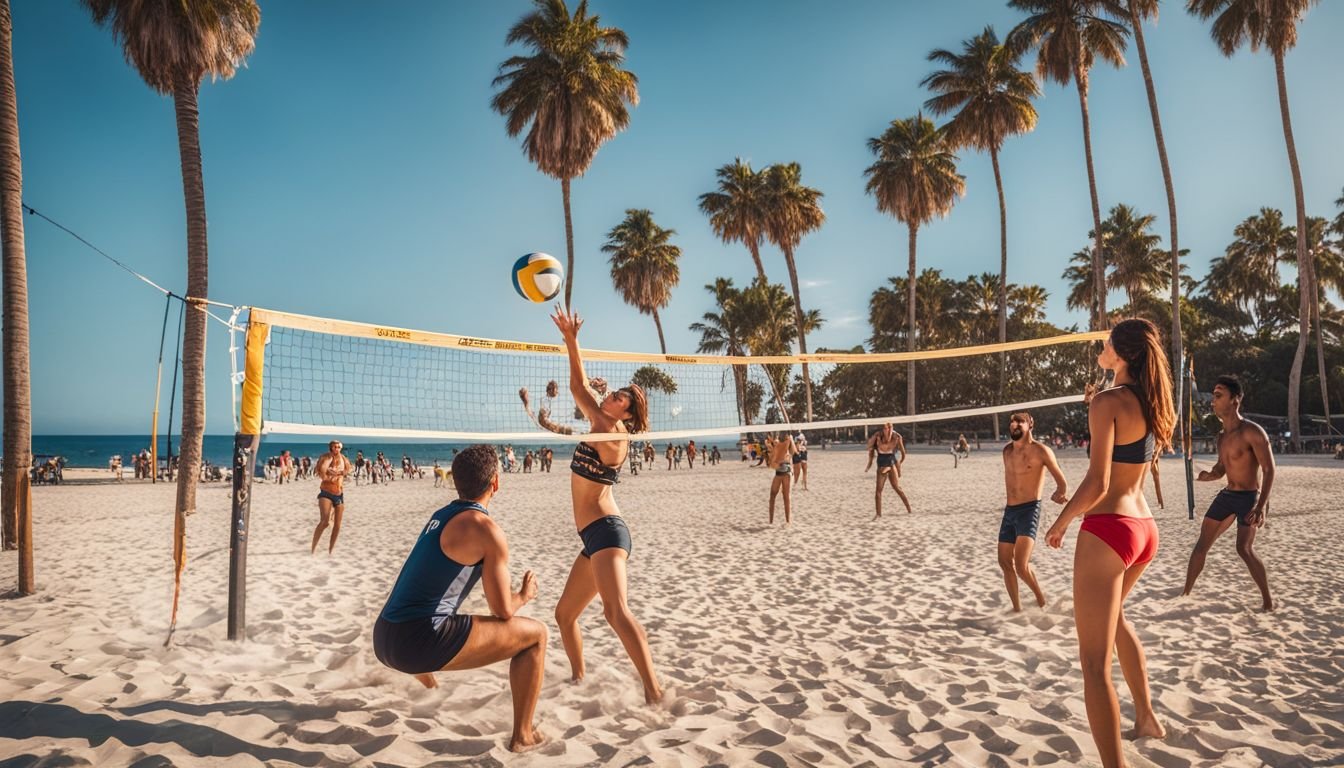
x=332, y=377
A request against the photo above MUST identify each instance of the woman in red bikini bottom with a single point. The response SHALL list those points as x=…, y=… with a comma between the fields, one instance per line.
x=1118, y=538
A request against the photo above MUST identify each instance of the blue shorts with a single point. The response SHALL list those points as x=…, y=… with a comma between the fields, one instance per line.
x=335, y=499
x=885, y=461
x=605, y=533
x=1229, y=502
x=800, y=457
x=1020, y=520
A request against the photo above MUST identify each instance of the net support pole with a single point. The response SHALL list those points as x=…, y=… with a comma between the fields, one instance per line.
x=245, y=444
x=1189, y=399
x=158, y=382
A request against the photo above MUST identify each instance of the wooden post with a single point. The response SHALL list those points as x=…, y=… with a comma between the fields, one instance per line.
x=245, y=444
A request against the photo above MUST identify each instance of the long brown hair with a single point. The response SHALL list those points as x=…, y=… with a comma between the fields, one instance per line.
x=639, y=408
x=1137, y=342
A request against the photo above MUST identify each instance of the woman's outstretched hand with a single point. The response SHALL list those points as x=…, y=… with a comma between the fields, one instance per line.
x=568, y=322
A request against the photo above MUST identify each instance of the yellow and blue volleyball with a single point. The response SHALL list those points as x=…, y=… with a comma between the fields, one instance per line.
x=538, y=277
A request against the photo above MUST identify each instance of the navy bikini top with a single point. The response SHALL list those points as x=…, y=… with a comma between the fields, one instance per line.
x=588, y=465
x=1138, y=452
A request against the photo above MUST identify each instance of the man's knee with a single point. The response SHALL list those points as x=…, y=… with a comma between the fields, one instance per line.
x=1246, y=549
x=1022, y=567
x=1006, y=561
x=616, y=613
x=1096, y=666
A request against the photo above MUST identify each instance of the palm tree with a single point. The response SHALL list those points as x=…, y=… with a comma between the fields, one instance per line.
x=770, y=331
x=1273, y=25
x=1082, y=285
x=914, y=179
x=1139, y=10
x=737, y=211
x=1133, y=254
x=992, y=99
x=1069, y=36
x=644, y=264
x=724, y=332
x=571, y=90
x=1325, y=263
x=792, y=211
x=16, y=507
x=1247, y=274
x=174, y=46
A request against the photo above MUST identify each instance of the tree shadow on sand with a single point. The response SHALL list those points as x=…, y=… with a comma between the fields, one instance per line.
x=33, y=720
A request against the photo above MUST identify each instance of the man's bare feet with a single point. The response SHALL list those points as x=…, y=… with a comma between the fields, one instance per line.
x=427, y=679
x=1040, y=601
x=527, y=743
x=654, y=696
x=1268, y=606
x=1148, y=728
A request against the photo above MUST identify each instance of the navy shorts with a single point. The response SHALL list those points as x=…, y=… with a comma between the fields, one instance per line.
x=415, y=647
x=800, y=457
x=1020, y=520
x=885, y=461
x=605, y=533
x=1229, y=502
x=336, y=499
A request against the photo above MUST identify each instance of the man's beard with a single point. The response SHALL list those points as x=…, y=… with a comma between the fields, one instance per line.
x=1016, y=433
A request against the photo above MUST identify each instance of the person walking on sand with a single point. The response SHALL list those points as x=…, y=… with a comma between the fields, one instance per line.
x=600, y=568
x=1245, y=459
x=781, y=453
x=332, y=470
x=1025, y=462
x=420, y=632
x=690, y=454
x=1129, y=423
x=884, y=445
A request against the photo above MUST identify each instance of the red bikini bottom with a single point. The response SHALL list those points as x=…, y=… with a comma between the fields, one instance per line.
x=1134, y=539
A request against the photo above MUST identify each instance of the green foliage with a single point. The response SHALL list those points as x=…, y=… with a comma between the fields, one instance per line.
x=652, y=379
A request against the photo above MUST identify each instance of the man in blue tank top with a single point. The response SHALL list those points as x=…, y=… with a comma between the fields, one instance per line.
x=420, y=630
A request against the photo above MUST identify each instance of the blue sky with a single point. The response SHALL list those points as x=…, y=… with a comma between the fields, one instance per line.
x=355, y=170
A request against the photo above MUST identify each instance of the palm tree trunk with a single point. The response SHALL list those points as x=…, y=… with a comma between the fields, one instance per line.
x=661, y=343
x=910, y=325
x=1003, y=280
x=1305, y=284
x=798, y=322
x=755, y=248
x=1320, y=348
x=1100, y=320
x=569, y=243
x=1177, y=345
x=15, y=497
x=193, y=338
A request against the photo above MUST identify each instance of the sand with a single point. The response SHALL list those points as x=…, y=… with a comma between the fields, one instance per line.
x=838, y=641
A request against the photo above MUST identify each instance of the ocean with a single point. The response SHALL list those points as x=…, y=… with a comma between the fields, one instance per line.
x=95, y=450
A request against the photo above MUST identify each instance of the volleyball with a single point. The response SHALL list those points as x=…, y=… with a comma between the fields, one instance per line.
x=538, y=277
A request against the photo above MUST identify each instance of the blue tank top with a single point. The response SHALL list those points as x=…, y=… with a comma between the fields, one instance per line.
x=432, y=585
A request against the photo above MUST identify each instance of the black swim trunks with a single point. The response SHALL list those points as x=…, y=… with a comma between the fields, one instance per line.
x=605, y=533
x=334, y=498
x=885, y=461
x=1020, y=520
x=415, y=646
x=1229, y=502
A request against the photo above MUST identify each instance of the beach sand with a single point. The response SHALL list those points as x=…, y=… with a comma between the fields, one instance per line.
x=837, y=641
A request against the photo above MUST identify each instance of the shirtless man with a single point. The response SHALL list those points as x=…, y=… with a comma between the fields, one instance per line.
x=1245, y=459
x=781, y=454
x=421, y=630
x=1025, y=462
x=332, y=470
x=884, y=445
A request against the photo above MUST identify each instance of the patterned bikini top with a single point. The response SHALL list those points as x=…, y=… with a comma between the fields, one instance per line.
x=588, y=465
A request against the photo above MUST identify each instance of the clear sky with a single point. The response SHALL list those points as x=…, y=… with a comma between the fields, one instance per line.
x=355, y=170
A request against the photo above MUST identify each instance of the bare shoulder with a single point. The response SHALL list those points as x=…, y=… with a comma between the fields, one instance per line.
x=1042, y=450
x=1254, y=433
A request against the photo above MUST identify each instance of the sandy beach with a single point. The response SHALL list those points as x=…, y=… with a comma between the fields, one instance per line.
x=837, y=641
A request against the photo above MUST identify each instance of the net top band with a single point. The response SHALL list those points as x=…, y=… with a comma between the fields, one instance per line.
x=431, y=338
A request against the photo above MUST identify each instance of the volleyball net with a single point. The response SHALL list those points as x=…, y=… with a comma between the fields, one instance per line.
x=302, y=375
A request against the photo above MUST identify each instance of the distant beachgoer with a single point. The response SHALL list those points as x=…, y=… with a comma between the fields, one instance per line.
x=670, y=454
x=420, y=632
x=960, y=450
x=781, y=453
x=649, y=454
x=884, y=445
x=690, y=455
x=1025, y=462
x=1129, y=423
x=600, y=568
x=1245, y=459
x=800, y=460
x=331, y=471
x=115, y=466
x=714, y=456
